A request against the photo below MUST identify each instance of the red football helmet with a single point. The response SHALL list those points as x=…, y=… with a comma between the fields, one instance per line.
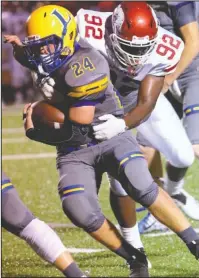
x=135, y=29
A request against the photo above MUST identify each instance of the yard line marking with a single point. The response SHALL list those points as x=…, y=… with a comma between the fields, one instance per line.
x=14, y=113
x=84, y=250
x=12, y=130
x=14, y=140
x=14, y=107
x=28, y=156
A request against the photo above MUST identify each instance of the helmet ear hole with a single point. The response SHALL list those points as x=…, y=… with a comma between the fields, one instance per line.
x=45, y=14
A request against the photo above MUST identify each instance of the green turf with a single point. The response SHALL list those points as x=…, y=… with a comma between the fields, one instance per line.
x=27, y=147
x=13, y=121
x=36, y=183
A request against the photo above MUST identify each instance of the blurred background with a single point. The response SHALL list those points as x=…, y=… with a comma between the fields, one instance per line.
x=16, y=81
x=31, y=166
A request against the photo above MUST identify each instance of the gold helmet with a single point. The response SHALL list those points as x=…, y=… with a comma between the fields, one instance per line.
x=48, y=26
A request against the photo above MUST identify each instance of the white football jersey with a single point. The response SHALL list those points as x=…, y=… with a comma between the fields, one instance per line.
x=162, y=61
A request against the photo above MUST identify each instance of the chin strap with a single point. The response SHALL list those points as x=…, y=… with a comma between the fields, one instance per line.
x=41, y=71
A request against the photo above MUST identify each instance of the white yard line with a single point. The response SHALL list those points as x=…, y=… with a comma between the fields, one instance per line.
x=12, y=130
x=74, y=250
x=14, y=140
x=28, y=156
x=14, y=107
x=84, y=250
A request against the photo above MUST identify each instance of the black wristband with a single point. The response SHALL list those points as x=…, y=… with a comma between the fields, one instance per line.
x=24, y=116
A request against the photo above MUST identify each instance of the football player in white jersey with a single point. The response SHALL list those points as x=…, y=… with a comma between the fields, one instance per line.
x=140, y=54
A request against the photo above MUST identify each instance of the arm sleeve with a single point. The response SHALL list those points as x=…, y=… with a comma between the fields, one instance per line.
x=21, y=58
x=71, y=132
x=182, y=12
x=47, y=136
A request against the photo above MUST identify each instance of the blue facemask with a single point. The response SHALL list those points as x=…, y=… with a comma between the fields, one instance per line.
x=51, y=61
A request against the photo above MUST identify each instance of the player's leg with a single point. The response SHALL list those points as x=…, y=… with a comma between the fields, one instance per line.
x=164, y=131
x=149, y=223
x=124, y=207
x=17, y=219
x=78, y=192
x=132, y=171
x=153, y=159
x=188, y=83
x=196, y=150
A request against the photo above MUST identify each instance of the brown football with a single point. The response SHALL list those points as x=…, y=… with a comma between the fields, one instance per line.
x=45, y=114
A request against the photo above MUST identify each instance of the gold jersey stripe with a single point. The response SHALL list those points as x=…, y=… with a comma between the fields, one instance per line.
x=89, y=89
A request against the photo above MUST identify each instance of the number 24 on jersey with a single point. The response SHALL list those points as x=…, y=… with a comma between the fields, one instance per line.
x=79, y=68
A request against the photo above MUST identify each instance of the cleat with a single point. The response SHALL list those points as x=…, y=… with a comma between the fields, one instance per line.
x=187, y=204
x=143, y=251
x=150, y=224
x=138, y=266
x=194, y=248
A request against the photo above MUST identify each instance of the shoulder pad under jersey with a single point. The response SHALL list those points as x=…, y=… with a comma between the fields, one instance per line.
x=87, y=75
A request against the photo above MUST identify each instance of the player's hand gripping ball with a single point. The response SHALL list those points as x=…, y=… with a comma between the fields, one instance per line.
x=46, y=114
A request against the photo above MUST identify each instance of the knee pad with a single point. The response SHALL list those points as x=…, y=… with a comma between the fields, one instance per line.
x=147, y=196
x=139, y=183
x=116, y=187
x=94, y=222
x=15, y=215
x=88, y=220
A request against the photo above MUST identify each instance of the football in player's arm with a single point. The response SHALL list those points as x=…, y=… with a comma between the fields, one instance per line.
x=82, y=97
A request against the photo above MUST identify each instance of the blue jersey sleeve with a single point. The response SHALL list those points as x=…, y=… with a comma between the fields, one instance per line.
x=182, y=12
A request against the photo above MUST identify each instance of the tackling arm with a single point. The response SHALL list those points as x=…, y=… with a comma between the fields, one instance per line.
x=149, y=91
x=148, y=94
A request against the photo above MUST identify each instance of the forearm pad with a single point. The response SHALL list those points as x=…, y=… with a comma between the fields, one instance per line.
x=72, y=133
x=21, y=58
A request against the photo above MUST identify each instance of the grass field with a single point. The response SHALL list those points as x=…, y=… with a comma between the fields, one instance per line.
x=36, y=182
